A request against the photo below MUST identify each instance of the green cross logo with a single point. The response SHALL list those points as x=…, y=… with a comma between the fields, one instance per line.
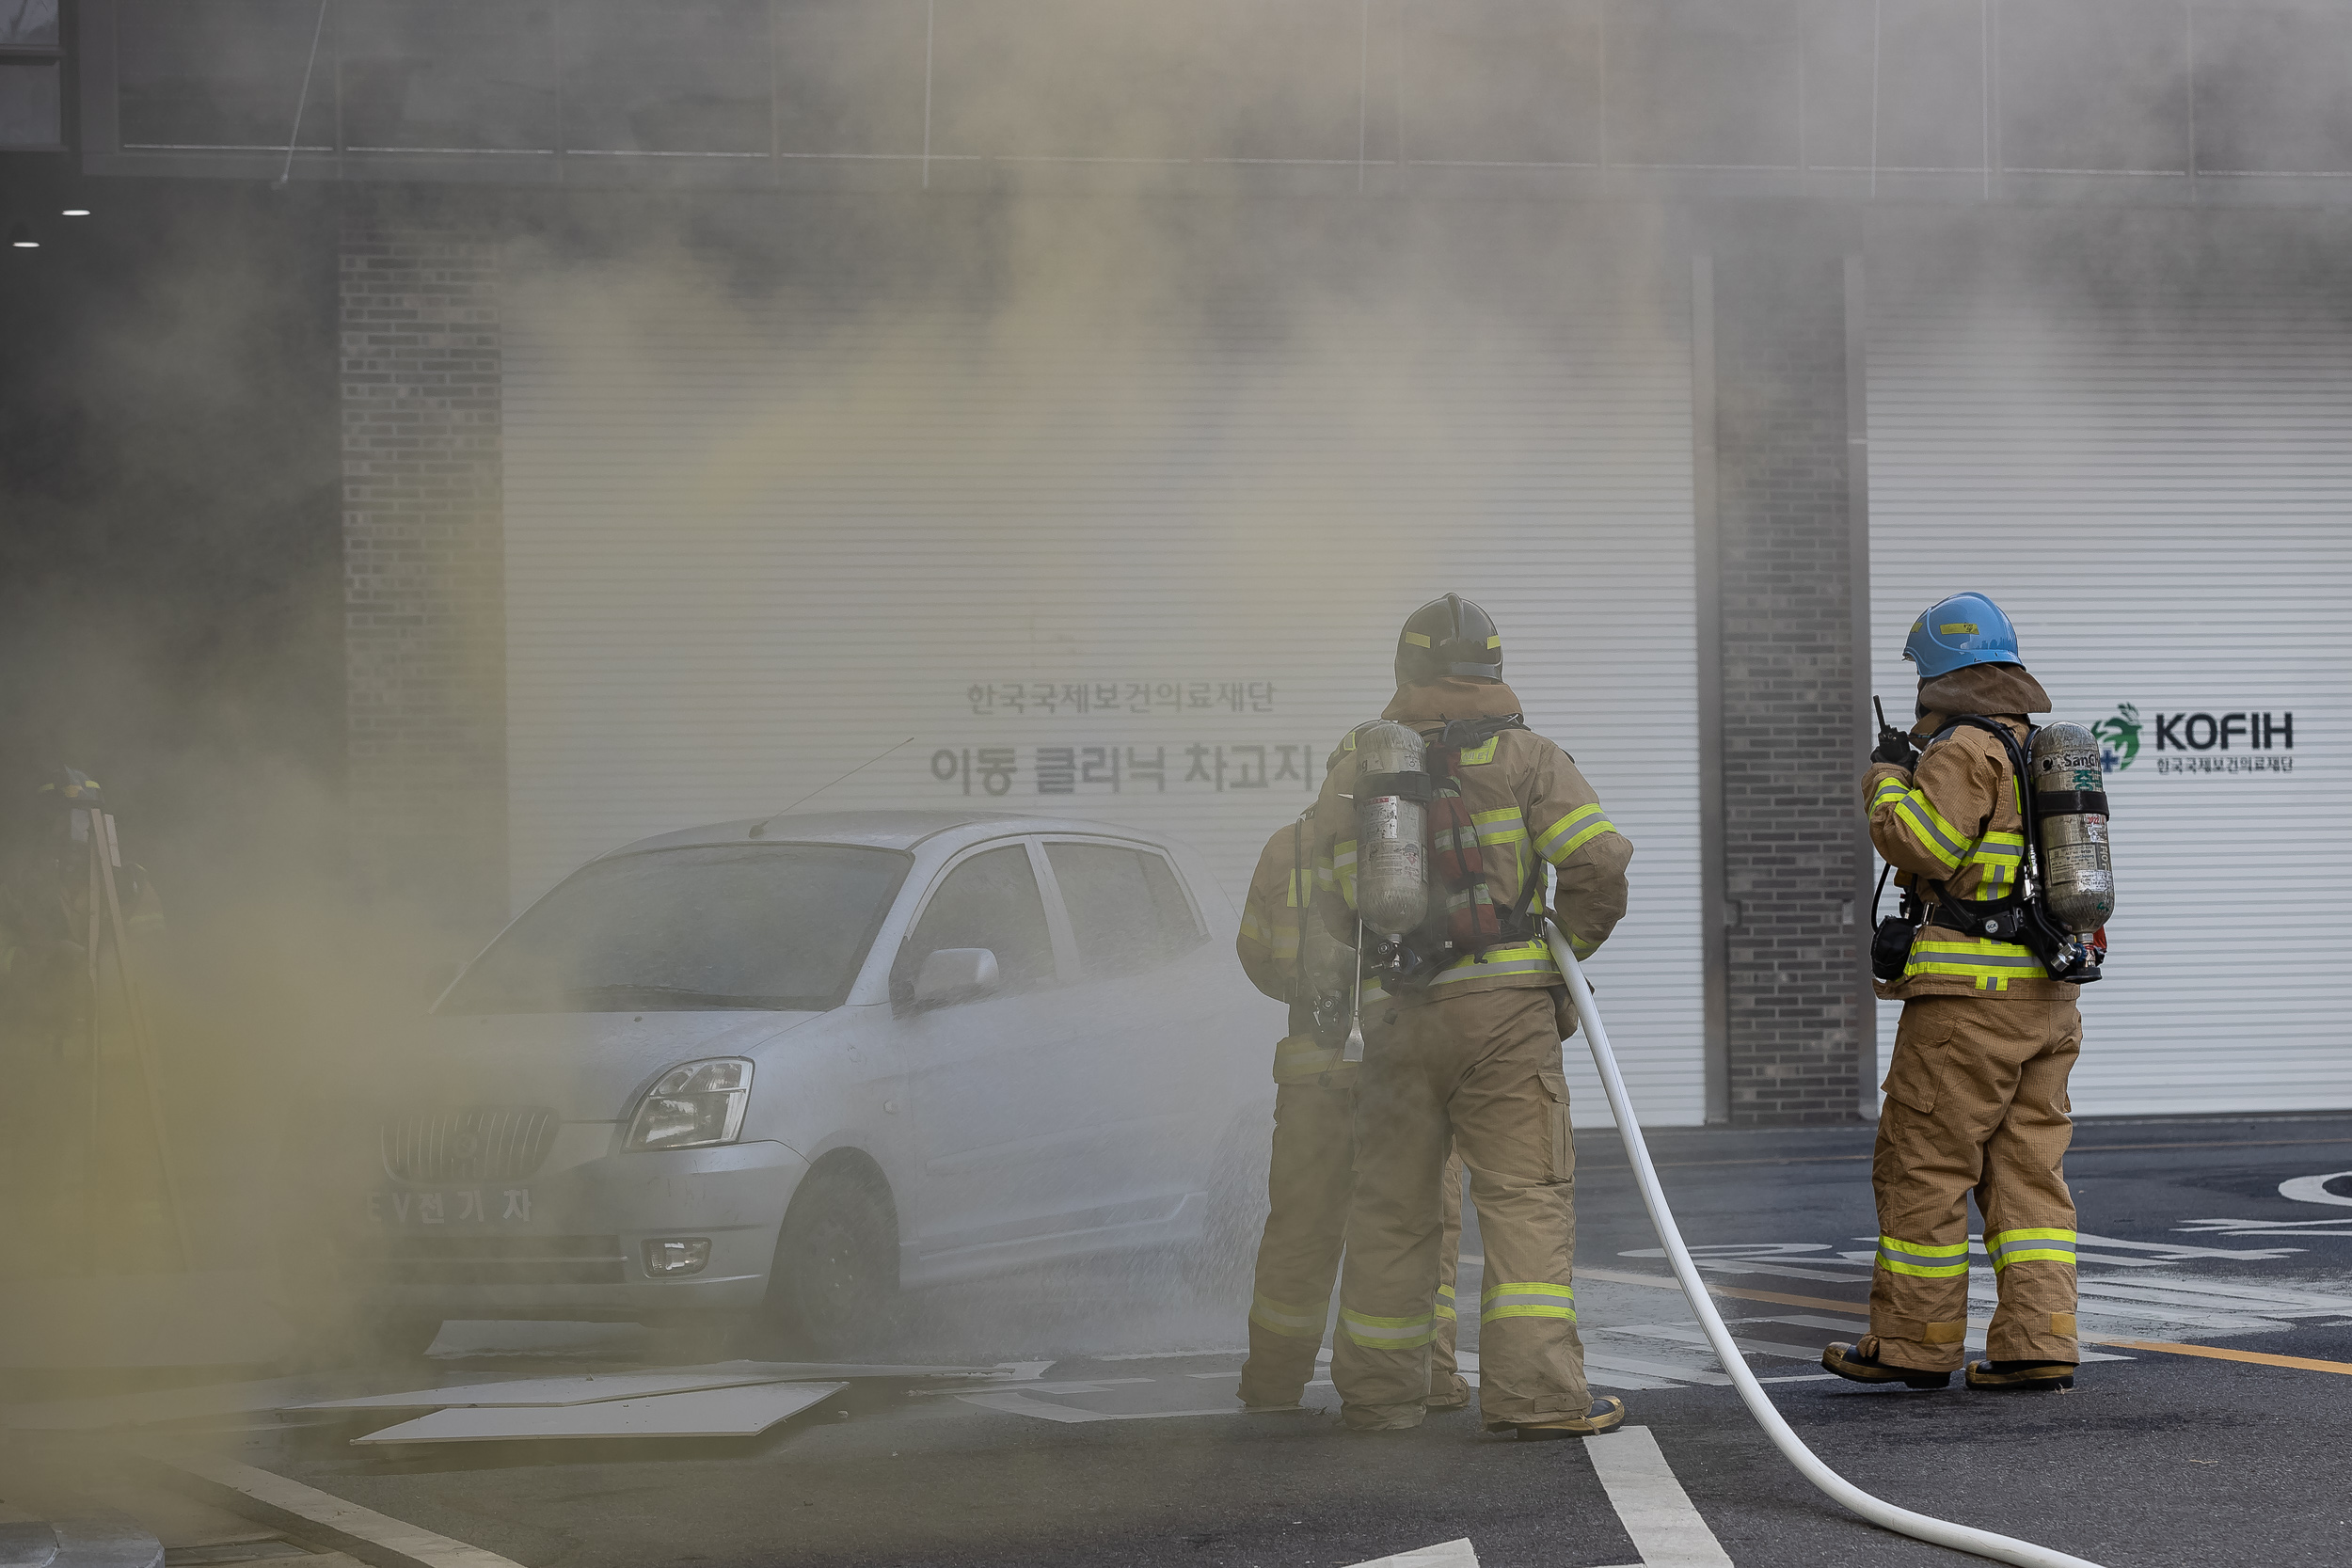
x=2119, y=738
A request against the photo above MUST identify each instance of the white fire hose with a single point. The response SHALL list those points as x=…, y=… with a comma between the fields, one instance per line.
x=2000, y=1548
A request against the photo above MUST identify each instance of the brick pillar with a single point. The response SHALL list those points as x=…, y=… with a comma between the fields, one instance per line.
x=1796, y=1027
x=424, y=571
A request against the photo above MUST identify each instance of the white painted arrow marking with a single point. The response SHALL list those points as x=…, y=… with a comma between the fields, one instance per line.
x=2314, y=1189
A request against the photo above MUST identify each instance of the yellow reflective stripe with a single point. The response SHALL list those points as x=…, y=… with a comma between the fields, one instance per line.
x=1388, y=1333
x=1445, y=1302
x=1418, y=640
x=1526, y=1288
x=1888, y=790
x=1477, y=754
x=1923, y=1259
x=1301, y=888
x=1571, y=832
x=1503, y=825
x=1526, y=1299
x=1301, y=1321
x=2038, y=1245
x=1299, y=1057
x=1999, y=857
x=1251, y=928
x=1991, y=964
x=1930, y=832
x=1524, y=958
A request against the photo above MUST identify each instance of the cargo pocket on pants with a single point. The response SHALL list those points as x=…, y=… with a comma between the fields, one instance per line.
x=1562, y=1145
x=1918, y=1071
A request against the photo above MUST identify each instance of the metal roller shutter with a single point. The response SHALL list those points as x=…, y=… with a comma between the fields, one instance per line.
x=2155, y=485
x=1146, y=574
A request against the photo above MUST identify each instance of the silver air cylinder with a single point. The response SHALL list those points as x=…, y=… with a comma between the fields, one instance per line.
x=1391, y=873
x=2070, y=798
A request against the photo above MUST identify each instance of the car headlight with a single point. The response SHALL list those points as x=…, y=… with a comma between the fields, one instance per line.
x=694, y=1105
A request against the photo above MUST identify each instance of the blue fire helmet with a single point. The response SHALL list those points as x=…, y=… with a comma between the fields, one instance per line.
x=1964, y=629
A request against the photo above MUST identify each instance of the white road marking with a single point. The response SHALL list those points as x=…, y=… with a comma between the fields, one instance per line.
x=1453, y=1553
x=1650, y=1502
x=1610, y=1361
x=592, y=1389
x=741, y=1412
x=1086, y=1385
x=1022, y=1405
x=1159, y=1355
x=310, y=1511
x=2314, y=1189
x=1697, y=1337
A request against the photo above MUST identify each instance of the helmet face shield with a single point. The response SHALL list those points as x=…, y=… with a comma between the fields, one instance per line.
x=1449, y=637
x=1954, y=633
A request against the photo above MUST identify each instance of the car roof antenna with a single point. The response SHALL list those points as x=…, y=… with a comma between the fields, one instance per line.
x=760, y=829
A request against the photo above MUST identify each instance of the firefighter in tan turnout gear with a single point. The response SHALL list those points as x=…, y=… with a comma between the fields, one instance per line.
x=1976, y=1095
x=1312, y=1170
x=1463, y=1019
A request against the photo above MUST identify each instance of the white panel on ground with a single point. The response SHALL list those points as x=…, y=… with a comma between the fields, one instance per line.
x=744, y=1412
x=2153, y=478
x=1134, y=564
x=1651, y=1503
x=587, y=1389
x=1452, y=1554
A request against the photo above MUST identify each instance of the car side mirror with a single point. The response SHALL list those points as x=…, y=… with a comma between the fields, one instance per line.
x=955, y=974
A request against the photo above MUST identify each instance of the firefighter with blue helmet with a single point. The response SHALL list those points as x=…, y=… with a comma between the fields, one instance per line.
x=1976, y=1090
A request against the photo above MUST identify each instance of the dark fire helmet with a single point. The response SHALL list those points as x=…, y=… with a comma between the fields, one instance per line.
x=1449, y=637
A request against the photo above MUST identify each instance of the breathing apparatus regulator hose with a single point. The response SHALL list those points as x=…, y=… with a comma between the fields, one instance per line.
x=2000, y=1548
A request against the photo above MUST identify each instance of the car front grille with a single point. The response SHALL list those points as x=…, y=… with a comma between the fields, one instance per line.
x=492, y=1260
x=463, y=1147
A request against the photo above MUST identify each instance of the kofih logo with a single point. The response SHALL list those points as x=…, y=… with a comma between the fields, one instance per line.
x=2119, y=739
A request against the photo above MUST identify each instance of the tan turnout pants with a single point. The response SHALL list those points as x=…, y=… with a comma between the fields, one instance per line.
x=1480, y=1073
x=1308, y=1186
x=1976, y=1099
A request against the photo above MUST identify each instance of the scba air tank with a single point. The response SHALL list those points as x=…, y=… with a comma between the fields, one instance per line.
x=1392, y=790
x=2071, y=801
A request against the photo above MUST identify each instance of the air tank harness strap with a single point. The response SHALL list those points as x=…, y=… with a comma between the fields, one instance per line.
x=1468, y=924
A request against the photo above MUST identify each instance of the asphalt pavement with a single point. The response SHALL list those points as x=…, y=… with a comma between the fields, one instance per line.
x=1113, y=1440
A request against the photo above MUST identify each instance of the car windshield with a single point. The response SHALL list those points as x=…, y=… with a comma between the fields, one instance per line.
x=780, y=926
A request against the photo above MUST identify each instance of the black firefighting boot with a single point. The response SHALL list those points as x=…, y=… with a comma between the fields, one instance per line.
x=1604, y=1415
x=2021, y=1376
x=1845, y=1362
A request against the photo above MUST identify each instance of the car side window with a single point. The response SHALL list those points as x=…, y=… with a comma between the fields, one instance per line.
x=989, y=901
x=1126, y=907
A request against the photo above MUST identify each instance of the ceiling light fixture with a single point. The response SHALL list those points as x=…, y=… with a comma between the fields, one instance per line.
x=76, y=212
x=21, y=236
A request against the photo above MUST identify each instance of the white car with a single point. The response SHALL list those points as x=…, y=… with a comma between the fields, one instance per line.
x=774, y=1070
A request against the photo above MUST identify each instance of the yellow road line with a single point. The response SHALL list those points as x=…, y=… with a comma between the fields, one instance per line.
x=2298, y=1363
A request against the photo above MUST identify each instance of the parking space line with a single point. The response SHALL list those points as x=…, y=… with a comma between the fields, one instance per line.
x=2218, y=1353
x=1655, y=1511
x=372, y=1537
